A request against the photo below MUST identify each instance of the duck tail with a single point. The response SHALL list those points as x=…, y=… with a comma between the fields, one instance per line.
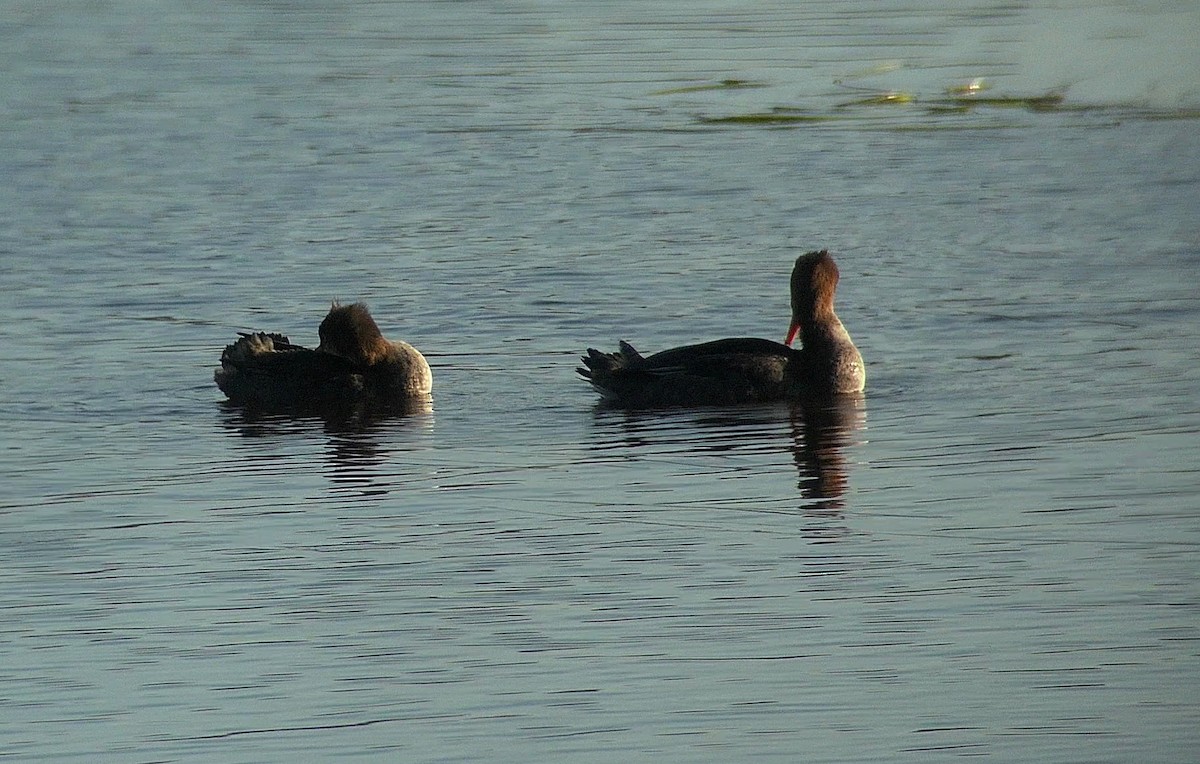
x=598, y=367
x=251, y=344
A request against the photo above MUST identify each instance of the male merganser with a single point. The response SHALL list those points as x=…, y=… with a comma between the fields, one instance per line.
x=353, y=364
x=743, y=370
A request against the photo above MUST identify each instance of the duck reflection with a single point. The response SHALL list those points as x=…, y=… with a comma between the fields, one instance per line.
x=821, y=430
x=818, y=434
x=355, y=453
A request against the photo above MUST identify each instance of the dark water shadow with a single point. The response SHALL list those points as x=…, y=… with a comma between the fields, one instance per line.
x=816, y=433
x=821, y=431
x=355, y=454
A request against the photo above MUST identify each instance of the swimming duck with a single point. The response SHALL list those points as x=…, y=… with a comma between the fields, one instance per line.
x=743, y=370
x=353, y=364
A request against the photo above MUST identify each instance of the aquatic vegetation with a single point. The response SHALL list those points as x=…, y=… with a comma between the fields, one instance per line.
x=776, y=116
x=961, y=100
x=1043, y=102
x=958, y=99
x=977, y=85
x=722, y=85
x=881, y=99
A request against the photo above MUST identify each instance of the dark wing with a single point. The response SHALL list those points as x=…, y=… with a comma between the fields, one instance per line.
x=300, y=362
x=267, y=370
x=712, y=373
x=709, y=358
x=280, y=341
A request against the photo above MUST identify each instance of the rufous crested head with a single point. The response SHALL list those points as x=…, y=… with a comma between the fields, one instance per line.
x=350, y=332
x=814, y=281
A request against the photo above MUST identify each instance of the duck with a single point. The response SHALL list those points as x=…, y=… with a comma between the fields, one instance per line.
x=353, y=364
x=743, y=369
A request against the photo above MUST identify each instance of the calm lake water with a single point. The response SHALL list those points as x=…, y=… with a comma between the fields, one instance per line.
x=995, y=553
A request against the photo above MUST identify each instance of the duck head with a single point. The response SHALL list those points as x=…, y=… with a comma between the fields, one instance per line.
x=814, y=281
x=350, y=332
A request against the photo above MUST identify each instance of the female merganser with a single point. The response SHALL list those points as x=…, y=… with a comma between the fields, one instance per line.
x=354, y=364
x=743, y=370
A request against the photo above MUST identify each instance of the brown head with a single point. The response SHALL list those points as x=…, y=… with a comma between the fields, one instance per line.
x=350, y=332
x=814, y=280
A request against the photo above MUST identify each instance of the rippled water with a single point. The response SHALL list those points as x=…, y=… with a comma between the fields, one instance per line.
x=993, y=553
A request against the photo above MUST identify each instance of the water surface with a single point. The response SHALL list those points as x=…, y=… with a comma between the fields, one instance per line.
x=992, y=554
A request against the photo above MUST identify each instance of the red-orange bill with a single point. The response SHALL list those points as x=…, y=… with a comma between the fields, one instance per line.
x=795, y=327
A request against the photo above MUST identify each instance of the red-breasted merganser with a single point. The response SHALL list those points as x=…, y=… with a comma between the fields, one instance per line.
x=743, y=370
x=353, y=364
